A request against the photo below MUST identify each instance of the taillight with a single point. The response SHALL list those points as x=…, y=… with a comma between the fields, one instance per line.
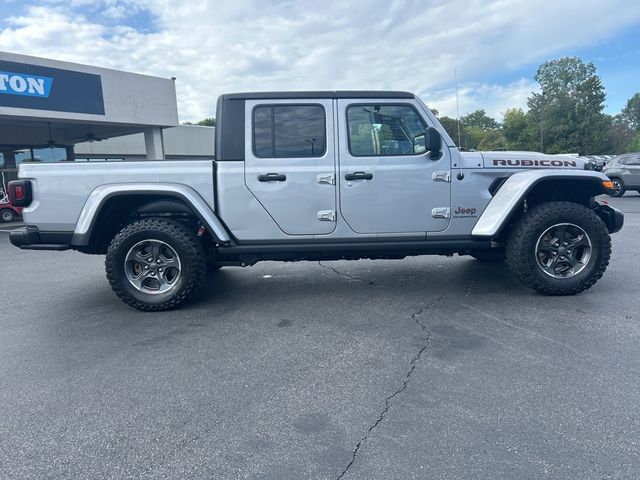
x=20, y=193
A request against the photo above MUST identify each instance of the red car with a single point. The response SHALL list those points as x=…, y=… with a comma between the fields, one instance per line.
x=8, y=213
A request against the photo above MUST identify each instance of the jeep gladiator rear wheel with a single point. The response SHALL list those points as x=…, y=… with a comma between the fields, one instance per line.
x=559, y=248
x=155, y=264
x=212, y=266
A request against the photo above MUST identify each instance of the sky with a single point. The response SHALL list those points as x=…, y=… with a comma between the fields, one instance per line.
x=492, y=47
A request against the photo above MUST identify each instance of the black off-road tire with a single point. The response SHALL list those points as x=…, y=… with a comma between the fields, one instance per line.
x=619, y=190
x=493, y=255
x=186, y=245
x=212, y=266
x=522, y=241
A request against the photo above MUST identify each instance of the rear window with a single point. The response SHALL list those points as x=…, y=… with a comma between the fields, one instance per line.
x=289, y=131
x=633, y=160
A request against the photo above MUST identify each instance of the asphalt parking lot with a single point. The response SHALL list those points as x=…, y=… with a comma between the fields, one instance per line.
x=428, y=367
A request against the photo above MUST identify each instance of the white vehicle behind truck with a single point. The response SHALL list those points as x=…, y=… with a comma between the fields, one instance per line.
x=320, y=176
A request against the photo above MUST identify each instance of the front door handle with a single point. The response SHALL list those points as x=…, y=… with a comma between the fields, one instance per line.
x=272, y=177
x=358, y=176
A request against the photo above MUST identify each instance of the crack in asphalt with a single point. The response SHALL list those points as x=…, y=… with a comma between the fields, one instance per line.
x=417, y=314
x=388, y=401
x=342, y=274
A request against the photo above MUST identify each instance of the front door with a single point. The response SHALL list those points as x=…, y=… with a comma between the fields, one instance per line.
x=633, y=165
x=387, y=183
x=290, y=163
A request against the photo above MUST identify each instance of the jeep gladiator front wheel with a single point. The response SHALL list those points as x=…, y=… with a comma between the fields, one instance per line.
x=155, y=264
x=559, y=248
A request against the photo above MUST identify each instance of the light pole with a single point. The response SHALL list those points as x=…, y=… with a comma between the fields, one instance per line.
x=312, y=143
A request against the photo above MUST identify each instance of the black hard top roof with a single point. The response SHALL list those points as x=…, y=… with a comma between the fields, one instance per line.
x=322, y=94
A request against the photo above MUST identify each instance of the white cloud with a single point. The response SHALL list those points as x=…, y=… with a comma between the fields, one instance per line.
x=116, y=12
x=214, y=46
x=494, y=99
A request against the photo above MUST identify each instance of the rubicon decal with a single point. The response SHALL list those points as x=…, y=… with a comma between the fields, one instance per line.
x=20, y=84
x=535, y=163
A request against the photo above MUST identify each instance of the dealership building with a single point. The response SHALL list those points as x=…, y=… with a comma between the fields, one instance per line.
x=53, y=111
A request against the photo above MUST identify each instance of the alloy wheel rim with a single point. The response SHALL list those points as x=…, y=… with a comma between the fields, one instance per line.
x=152, y=267
x=617, y=186
x=563, y=250
x=7, y=216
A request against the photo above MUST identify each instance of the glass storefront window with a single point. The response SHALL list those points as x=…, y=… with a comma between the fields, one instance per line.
x=22, y=155
x=36, y=154
x=55, y=154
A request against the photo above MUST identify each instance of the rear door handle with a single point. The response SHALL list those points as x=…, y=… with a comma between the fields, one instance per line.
x=358, y=176
x=272, y=177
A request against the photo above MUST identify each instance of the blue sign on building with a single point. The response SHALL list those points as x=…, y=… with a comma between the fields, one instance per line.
x=37, y=87
x=30, y=85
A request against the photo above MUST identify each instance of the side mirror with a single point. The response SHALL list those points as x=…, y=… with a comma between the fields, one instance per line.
x=434, y=143
x=420, y=143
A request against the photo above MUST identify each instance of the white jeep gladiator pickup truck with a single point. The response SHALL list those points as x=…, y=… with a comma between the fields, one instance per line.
x=320, y=176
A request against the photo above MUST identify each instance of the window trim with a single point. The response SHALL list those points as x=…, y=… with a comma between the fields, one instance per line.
x=273, y=132
x=410, y=105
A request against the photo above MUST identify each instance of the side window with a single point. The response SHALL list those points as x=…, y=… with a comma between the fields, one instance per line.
x=383, y=130
x=635, y=160
x=286, y=131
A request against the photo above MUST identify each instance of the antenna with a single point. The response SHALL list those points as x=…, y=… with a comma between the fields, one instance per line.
x=542, y=125
x=455, y=74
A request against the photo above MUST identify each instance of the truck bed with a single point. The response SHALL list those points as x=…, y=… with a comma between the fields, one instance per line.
x=60, y=190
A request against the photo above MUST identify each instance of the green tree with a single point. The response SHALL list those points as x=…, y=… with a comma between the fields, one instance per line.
x=631, y=113
x=206, y=122
x=569, y=108
x=473, y=137
x=451, y=127
x=492, y=140
x=479, y=119
x=516, y=130
x=621, y=136
x=481, y=132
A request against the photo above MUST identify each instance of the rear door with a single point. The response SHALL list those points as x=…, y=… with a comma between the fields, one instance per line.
x=387, y=183
x=290, y=162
